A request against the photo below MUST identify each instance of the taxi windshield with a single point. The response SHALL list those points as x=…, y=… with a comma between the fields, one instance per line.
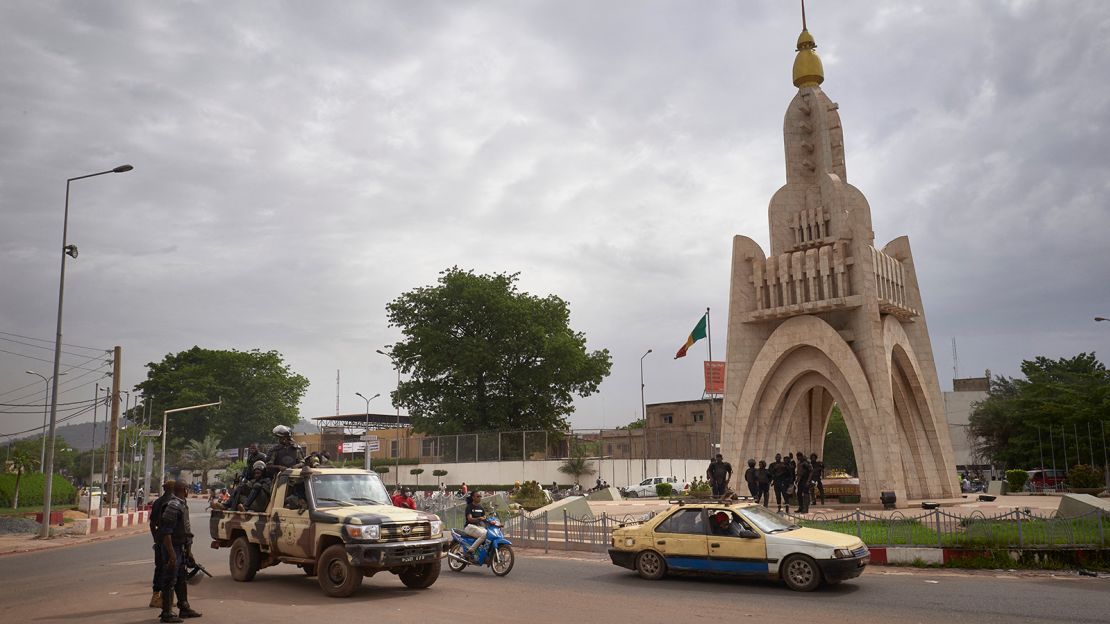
x=340, y=490
x=767, y=521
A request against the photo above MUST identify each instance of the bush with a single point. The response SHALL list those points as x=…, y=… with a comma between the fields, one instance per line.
x=664, y=490
x=381, y=469
x=530, y=496
x=1016, y=479
x=1080, y=476
x=30, y=490
x=702, y=489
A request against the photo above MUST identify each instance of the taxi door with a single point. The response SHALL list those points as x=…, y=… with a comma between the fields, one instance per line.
x=682, y=541
x=730, y=553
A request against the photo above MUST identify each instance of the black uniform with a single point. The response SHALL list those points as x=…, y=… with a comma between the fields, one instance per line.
x=284, y=456
x=718, y=474
x=175, y=523
x=259, y=496
x=805, y=473
x=781, y=481
x=253, y=457
x=763, y=485
x=791, y=477
x=818, y=474
x=749, y=478
x=155, y=519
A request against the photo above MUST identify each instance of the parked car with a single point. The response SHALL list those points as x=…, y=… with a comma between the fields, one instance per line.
x=1041, y=478
x=741, y=539
x=647, y=486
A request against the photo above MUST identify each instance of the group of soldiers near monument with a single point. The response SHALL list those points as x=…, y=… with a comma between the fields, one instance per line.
x=792, y=476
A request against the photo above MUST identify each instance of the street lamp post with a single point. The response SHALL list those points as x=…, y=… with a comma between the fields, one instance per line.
x=45, y=407
x=397, y=460
x=366, y=451
x=643, y=411
x=165, y=422
x=71, y=251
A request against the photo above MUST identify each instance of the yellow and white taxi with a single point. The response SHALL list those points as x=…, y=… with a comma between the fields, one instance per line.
x=737, y=539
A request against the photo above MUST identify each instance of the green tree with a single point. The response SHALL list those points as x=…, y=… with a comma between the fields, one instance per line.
x=483, y=356
x=838, y=452
x=577, y=467
x=416, y=472
x=203, y=455
x=258, y=389
x=1058, y=398
x=21, y=461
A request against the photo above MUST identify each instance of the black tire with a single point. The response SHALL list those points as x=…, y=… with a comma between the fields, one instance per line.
x=455, y=564
x=245, y=559
x=651, y=565
x=337, y=577
x=633, y=494
x=504, y=561
x=801, y=573
x=309, y=569
x=421, y=576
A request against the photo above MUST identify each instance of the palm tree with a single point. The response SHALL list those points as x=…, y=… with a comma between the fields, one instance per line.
x=576, y=467
x=21, y=461
x=202, y=455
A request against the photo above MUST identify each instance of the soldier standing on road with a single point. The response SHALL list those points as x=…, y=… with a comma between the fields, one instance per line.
x=781, y=482
x=805, y=474
x=718, y=474
x=763, y=483
x=791, y=477
x=177, y=544
x=818, y=474
x=749, y=478
x=155, y=518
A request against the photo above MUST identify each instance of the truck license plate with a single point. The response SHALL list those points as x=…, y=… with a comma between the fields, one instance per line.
x=412, y=558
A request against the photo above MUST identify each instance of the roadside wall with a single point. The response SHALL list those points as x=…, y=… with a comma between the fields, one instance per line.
x=618, y=472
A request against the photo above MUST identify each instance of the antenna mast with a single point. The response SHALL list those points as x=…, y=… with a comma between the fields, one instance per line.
x=804, y=15
x=337, y=392
x=955, y=360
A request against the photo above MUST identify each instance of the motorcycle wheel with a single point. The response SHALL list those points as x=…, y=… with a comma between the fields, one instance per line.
x=456, y=565
x=503, y=560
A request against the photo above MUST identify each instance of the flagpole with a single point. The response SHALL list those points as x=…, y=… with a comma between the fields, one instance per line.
x=709, y=340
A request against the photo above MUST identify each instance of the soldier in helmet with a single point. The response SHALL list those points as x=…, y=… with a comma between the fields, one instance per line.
x=257, y=489
x=284, y=454
x=177, y=543
x=253, y=455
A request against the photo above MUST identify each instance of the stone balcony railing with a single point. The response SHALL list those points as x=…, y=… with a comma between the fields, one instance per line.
x=890, y=285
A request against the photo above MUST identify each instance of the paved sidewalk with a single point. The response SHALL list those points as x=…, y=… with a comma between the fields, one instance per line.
x=22, y=542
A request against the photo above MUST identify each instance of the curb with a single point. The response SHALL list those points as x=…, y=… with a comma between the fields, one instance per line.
x=881, y=555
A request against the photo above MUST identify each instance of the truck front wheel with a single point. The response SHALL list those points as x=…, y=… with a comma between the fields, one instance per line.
x=337, y=577
x=245, y=559
x=421, y=576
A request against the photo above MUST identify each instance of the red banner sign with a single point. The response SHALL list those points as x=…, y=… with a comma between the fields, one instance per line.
x=714, y=377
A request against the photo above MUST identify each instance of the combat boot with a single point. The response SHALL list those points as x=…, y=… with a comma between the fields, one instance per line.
x=183, y=608
x=168, y=616
x=185, y=611
x=156, y=600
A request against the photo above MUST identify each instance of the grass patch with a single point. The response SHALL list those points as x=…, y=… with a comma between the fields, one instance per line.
x=974, y=533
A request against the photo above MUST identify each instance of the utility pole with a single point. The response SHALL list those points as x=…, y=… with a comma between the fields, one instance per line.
x=113, y=430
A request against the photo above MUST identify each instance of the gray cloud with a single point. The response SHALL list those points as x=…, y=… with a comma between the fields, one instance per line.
x=299, y=166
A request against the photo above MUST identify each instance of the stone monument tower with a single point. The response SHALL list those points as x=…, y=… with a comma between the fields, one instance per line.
x=829, y=318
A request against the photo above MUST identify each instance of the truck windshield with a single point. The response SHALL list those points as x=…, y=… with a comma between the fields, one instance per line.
x=341, y=490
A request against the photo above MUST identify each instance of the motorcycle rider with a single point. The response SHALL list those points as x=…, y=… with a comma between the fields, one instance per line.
x=475, y=523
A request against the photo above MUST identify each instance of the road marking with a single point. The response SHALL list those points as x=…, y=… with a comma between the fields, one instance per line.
x=129, y=563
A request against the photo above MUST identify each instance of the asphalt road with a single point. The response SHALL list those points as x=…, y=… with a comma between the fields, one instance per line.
x=109, y=581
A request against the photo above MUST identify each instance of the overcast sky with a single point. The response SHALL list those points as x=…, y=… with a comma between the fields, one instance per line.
x=298, y=165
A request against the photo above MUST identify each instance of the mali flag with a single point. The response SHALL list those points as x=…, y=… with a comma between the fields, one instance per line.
x=696, y=335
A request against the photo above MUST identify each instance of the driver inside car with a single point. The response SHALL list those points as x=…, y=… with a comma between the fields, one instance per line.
x=724, y=524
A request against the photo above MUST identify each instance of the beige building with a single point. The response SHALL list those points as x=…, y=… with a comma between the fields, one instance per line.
x=958, y=405
x=831, y=317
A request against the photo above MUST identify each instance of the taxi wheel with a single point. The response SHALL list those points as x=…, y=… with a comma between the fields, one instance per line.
x=650, y=565
x=801, y=573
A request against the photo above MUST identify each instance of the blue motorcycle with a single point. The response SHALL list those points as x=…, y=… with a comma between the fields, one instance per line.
x=496, y=552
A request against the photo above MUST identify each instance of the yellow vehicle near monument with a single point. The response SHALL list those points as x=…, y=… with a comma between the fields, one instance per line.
x=737, y=539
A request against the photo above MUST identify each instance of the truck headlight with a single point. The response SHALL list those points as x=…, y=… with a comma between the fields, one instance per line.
x=364, y=532
x=842, y=553
x=437, y=527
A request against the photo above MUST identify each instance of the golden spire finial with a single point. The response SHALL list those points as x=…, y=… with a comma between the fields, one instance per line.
x=808, y=71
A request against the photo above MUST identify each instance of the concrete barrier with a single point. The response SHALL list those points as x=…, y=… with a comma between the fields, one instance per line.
x=1076, y=505
x=575, y=506
x=608, y=494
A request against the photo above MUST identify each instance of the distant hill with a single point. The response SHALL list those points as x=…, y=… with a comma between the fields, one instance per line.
x=80, y=435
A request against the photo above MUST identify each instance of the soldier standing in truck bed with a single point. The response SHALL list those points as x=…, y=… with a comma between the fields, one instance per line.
x=284, y=454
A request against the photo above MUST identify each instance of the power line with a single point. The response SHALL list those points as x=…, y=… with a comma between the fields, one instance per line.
x=64, y=344
x=63, y=382
x=31, y=357
x=43, y=347
x=67, y=382
x=60, y=420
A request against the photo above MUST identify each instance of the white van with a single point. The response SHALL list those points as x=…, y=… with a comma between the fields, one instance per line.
x=647, y=486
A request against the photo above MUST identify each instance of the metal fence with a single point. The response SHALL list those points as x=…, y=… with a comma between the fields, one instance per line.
x=941, y=529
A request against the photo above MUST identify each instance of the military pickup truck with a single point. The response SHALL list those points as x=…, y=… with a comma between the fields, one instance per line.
x=336, y=524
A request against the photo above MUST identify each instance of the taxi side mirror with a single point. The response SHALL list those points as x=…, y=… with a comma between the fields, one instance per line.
x=748, y=534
